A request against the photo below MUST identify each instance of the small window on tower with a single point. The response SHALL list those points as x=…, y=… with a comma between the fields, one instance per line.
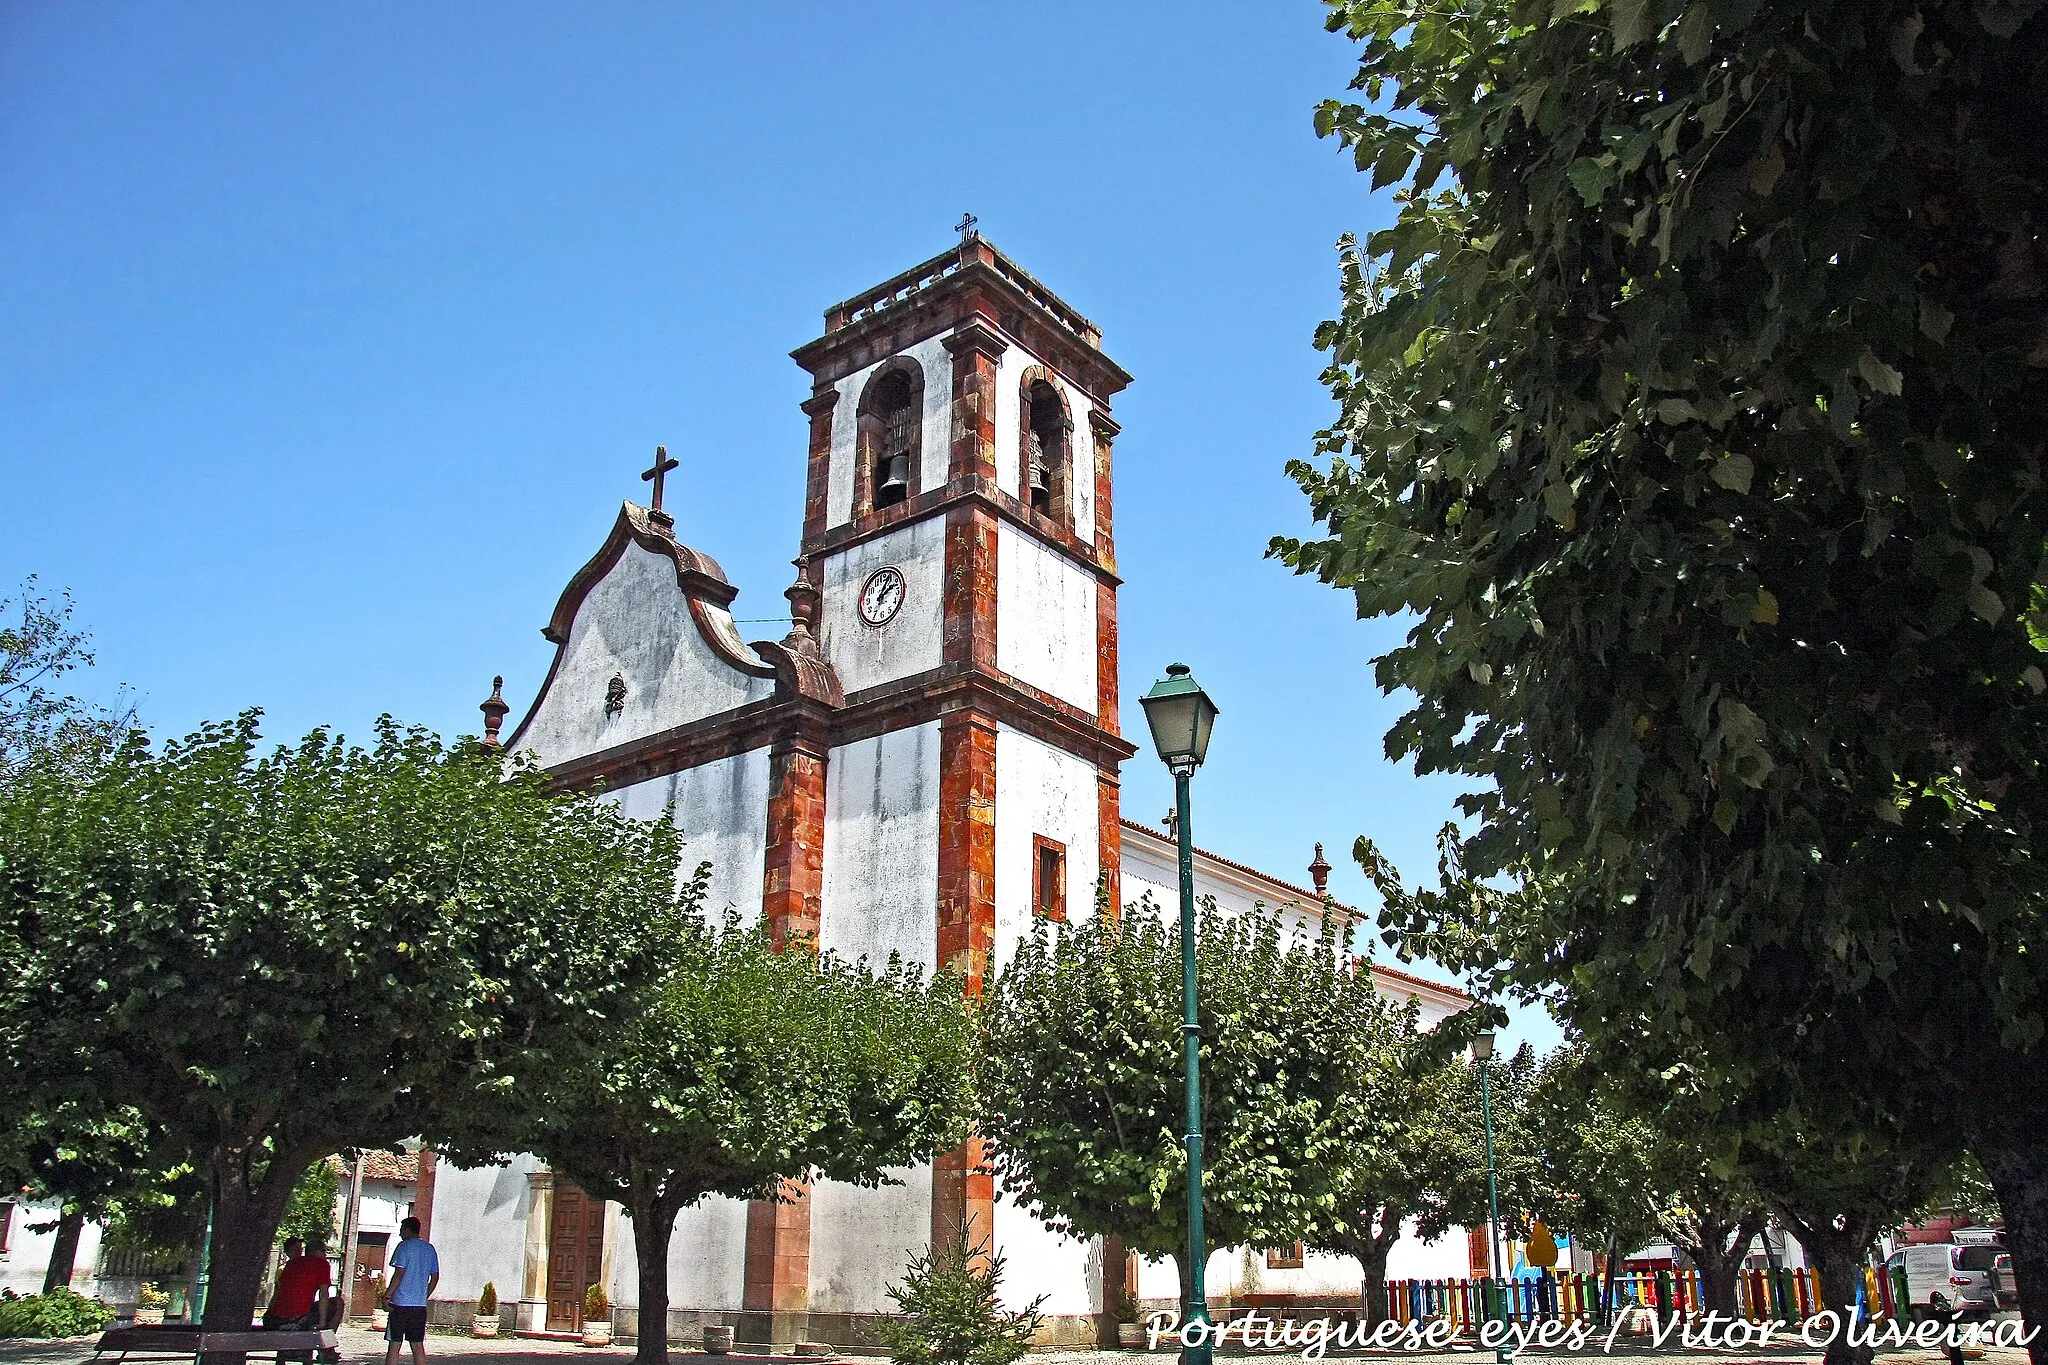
x=896, y=405
x=1048, y=878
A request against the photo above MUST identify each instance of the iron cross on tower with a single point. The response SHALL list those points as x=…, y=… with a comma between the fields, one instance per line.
x=662, y=465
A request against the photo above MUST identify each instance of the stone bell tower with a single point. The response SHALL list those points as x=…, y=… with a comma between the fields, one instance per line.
x=957, y=528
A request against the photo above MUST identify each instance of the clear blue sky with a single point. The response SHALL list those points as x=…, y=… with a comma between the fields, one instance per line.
x=332, y=336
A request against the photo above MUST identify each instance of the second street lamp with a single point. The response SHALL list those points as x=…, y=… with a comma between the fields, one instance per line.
x=1181, y=715
x=1482, y=1053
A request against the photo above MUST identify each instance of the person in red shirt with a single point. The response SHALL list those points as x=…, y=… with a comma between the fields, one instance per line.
x=299, y=1283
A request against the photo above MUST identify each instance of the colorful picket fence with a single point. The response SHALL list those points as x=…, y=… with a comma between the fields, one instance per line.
x=1576, y=1298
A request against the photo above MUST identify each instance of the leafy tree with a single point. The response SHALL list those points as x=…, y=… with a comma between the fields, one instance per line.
x=1630, y=1159
x=1418, y=1150
x=1083, y=1101
x=273, y=956
x=952, y=1310
x=38, y=646
x=86, y=1156
x=1837, y=1192
x=751, y=1068
x=310, y=1214
x=1694, y=406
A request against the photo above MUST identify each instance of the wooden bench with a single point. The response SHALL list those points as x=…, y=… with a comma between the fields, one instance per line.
x=190, y=1343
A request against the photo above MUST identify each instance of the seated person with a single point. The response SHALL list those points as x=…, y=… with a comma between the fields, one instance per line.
x=293, y=1306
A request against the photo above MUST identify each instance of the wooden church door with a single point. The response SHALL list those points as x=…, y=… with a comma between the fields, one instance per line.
x=575, y=1254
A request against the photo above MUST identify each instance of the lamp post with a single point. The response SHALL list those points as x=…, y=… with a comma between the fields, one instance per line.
x=1181, y=715
x=1482, y=1053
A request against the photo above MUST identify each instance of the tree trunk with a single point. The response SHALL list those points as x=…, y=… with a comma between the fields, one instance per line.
x=1370, y=1251
x=244, y=1231
x=654, y=1222
x=1607, y=1274
x=64, y=1251
x=2019, y=1174
x=1839, y=1258
x=1718, y=1255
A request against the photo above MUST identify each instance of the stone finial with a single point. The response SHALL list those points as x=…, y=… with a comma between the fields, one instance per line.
x=494, y=709
x=1319, y=873
x=803, y=602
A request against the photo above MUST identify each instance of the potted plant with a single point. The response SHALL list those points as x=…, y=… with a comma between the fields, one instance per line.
x=1130, y=1333
x=484, y=1323
x=151, y=1301
x=380, y=1310
x=597, y=1317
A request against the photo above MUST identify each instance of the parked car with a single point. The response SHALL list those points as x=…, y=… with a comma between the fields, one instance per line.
x=1944, y=1278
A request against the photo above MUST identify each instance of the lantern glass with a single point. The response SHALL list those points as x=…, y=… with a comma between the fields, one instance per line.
x=1180, y=715
x=1482, y=1045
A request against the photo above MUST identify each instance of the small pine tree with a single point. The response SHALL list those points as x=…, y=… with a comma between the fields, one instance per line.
x=952, y=1309
x=487, y=1302
x=596, y=1304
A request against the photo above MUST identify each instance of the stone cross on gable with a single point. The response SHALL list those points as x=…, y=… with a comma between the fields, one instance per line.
x=662, y=465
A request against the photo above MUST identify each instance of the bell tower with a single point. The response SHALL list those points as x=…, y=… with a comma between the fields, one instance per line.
x=958, y=529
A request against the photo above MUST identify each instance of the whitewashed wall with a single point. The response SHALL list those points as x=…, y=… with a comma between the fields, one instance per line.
x=634, y=623
x=1045, y=618
x=1041, y=790
x=911, y=641
x=937, y=364
x=722, y=809
x=707, y=1256
x=862, y=1240
x=881, y=896
x=479, y=1229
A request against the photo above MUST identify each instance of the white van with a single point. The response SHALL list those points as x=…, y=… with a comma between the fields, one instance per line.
x=1944, y=1278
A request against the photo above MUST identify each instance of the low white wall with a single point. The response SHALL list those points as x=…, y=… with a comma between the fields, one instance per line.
x=862, y=1240
x=707, y=1257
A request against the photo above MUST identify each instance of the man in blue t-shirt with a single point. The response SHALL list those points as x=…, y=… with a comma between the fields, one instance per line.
x=415, y=1270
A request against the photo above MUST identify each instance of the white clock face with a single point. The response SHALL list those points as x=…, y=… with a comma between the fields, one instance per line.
x=881, y=595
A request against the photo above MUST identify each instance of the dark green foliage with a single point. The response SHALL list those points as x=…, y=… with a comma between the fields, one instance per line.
x=952, y=1308
x=1081, y=1076
x=1696, y=407
x=487, y=1302
x=54, y=1313
x=274, y=956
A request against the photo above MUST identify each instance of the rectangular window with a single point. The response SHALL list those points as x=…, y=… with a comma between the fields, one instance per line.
x=1288, y=1257
x=1048, y=878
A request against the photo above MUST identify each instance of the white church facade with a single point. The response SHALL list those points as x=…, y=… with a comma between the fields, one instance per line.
x=925, y=763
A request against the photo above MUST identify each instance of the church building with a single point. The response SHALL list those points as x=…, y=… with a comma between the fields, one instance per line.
x=927, y=761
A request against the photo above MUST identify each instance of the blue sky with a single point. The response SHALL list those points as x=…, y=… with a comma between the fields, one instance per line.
x=332, y=336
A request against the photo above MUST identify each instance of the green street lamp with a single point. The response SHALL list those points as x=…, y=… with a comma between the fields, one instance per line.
x=1181, y=716
x=1482, y=1053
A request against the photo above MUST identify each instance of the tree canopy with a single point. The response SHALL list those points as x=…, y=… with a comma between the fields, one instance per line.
x=750, y=1068
x=273, y=956
x=1694, y=405
x=1083, y=1102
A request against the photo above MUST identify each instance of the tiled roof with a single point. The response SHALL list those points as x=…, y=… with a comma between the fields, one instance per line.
x=400, y=1168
